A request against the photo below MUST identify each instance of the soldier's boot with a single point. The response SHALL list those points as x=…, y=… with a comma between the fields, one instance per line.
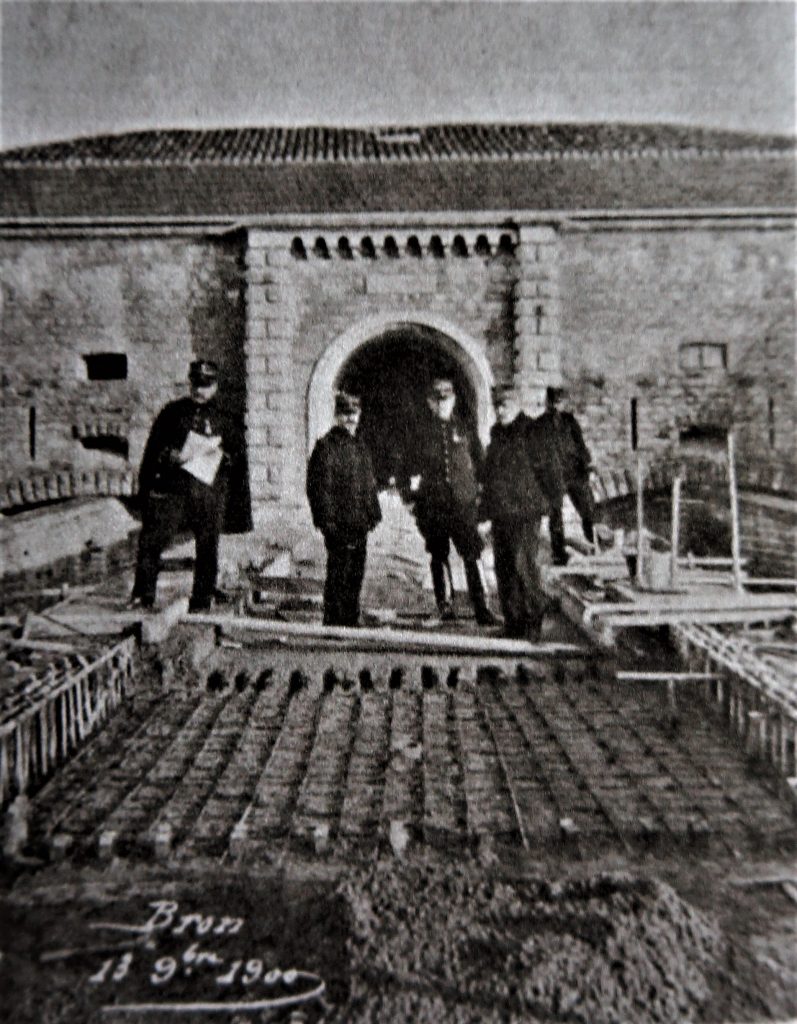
x=473, y=577
x=441, y=591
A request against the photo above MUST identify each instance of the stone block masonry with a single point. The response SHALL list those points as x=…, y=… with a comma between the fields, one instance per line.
x=658, y=327
x=695, y=324
x=271, y=400
x=153, y=303
x=537, y=350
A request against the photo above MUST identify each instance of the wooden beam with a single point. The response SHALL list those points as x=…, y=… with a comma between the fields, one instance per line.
x=665, y=677
x=389, y=639
x=735, y=529
x=691, y=602
x=640, y=519
x=675, y=526
x=665, y=617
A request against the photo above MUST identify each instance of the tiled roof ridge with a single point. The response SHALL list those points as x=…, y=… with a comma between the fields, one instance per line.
x=476, y=142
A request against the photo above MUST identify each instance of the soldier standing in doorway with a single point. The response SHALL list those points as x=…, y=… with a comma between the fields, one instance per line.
x=183, y=485
x=344, y=503
x=444, y=469
x=522, y=479
x=563, y=432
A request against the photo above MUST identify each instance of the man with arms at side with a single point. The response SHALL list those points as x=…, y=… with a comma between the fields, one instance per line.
x=563, y=432
x=344, y=503
x=521, y=479
x=445, y=466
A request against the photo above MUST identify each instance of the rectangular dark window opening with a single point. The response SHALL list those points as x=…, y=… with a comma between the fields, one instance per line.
x=106, y=366
x=708, y=433
x=107, y=443
x=634, y=430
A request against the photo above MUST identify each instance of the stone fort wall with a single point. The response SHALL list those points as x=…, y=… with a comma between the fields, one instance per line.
x=657, y=328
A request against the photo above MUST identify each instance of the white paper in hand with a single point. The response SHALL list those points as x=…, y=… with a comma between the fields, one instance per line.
x=201, y=456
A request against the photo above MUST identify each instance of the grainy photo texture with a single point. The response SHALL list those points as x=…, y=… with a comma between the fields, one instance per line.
x=398, y=523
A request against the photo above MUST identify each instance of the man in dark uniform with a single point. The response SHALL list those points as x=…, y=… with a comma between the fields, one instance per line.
x=562, y=429
x=183, y=485
x=344, y=502
x=445, y=465
x=521, y=480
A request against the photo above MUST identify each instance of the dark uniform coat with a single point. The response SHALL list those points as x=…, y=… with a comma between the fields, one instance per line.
x=159, y=470
x=522, y=473
x=344, y=504
x=448, y=458
x=563, y=429
x=521, y=478
x=174, y=500
x=341, y=487
x=562, y=432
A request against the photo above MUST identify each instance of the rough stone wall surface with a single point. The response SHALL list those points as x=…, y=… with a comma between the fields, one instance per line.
x=768, y=530
x=607, y=310
x=630, y=301
x=322, y=297
x=162, y=302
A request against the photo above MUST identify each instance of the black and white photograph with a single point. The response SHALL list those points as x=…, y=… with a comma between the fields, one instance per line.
x=398, y=512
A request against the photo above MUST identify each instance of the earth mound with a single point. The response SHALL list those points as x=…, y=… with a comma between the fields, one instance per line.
x=444, y=943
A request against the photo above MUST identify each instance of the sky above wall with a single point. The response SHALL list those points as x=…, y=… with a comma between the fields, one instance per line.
x=85, y=68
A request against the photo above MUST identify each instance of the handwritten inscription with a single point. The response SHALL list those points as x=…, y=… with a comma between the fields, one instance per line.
x=165, y=918
x=231, y=979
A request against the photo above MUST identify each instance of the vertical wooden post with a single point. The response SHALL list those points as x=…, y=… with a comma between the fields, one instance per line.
x=640, y=519
x=735, y=542
x=756, y=734
x=675, y=526
x=672, y=703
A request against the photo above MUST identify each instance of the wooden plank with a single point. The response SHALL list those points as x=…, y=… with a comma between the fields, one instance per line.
x=735, y=528
x=640, y=519
x=687, y=616
x=665, y=677
x=389, y=639
x=675, y=527
x=709, y=602
x=42, y=645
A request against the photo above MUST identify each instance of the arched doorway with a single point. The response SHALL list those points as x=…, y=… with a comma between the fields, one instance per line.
x=391, y=373
x=408, y=345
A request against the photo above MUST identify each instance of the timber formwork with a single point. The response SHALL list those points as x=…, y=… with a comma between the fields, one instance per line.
x=756, y=696
x=47, y=716
x=262, y=752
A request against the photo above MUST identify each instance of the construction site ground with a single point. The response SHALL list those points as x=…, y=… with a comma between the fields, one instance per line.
x=522, y=839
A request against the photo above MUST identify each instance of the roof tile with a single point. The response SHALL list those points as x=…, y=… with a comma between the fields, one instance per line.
x=313, y=144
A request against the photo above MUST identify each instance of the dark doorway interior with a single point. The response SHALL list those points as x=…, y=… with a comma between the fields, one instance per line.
x=392, y=374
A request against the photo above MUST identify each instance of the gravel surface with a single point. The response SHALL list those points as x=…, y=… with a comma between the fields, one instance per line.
x=432, y=943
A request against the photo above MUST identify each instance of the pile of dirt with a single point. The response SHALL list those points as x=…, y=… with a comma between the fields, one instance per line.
x=438, y=943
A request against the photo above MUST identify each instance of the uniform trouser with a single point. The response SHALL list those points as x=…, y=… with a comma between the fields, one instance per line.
x=199, y=509
x=462, y=530
x=581, y=496
x=345, y=571
x=515, y=543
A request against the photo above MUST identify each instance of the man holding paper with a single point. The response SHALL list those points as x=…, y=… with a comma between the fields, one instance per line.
x=182, y=483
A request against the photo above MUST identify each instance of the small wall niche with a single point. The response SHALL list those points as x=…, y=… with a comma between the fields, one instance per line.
x=703, y=433
x=106, y=365
x=110, y=443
